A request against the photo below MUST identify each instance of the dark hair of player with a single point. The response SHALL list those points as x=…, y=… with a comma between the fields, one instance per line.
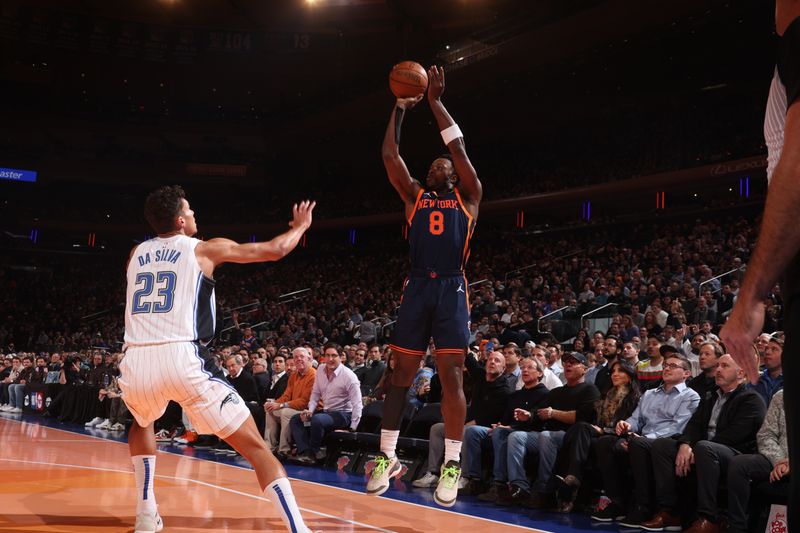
x=163, y=206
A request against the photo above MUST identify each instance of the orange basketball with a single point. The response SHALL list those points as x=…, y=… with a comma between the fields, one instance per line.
x=408, y=79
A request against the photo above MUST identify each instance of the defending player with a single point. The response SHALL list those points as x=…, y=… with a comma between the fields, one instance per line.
x=169, y=317
x=435, y=302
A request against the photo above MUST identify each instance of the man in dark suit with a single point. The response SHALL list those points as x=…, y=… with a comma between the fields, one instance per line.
x=245, y=385
x=371, y=372
x=262, y=376
x=279, y=379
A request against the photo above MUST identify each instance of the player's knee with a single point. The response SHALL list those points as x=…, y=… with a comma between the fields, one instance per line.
x=404, y=372
x=452, y=380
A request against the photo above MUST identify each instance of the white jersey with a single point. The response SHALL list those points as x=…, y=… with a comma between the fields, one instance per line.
x=774, y=122
x=168, y=297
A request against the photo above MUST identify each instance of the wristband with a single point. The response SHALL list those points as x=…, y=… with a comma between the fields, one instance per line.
x=398, y=121
x=450, y=134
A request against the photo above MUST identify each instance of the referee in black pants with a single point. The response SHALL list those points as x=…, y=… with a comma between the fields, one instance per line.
x=776, y=255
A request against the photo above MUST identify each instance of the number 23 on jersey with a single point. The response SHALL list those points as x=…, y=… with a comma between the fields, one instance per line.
x=164, y=282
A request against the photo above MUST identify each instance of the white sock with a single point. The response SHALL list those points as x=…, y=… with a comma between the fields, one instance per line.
x=280, y=494
x=389, y=441
x=144, y=468
x=452, y=451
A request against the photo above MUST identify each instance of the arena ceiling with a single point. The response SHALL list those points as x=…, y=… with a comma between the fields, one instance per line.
x=302, y=74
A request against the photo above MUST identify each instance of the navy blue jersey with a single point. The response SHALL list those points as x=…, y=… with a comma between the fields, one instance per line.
x=441, y=228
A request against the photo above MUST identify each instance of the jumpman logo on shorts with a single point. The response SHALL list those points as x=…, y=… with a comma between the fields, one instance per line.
x=460, y=287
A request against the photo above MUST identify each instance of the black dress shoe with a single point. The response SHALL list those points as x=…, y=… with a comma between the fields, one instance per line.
x=473, y=488
x=514, y=496
x=305, y=459
x=540, y=500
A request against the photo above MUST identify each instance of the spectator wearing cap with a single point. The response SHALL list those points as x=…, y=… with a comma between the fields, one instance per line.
x=771, y=379
x=617, y=404
x=662, y=412
x=724, y=425
x=574, y=402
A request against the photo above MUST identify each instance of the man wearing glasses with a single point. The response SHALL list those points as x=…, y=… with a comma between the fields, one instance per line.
x=338, y=388
x=663, y=411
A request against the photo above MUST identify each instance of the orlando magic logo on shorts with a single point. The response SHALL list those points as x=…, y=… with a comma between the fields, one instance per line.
x=230, y=398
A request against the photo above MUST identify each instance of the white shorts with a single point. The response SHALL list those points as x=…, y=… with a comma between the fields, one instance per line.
x=151, y=376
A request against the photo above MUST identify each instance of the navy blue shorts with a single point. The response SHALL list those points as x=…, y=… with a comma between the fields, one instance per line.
x=435, y=307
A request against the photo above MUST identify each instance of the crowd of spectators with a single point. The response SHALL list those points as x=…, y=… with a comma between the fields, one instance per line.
x=539, y=393
x=665, y=269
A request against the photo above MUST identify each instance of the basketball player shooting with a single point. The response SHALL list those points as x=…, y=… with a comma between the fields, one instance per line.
x=169, y=318
x=442, y=216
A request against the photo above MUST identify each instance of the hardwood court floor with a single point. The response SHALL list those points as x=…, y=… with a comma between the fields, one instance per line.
x=56, y=480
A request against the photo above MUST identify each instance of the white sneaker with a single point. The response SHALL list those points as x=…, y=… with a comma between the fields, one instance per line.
x=163, y=436
x=384, y=470
x=117, y=427
x=105, y=424
x=6, y=407
x=148, y=523
x=93, y=422
x=15, y=410
x=427, y=481
x=449, y=482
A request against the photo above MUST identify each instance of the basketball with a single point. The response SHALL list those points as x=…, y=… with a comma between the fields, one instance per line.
x=408, y=79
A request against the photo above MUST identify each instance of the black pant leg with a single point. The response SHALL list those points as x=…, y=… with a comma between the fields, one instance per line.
x=664, y=452
x=641, y=452
x=743, y=472
x=614, y=465
x=711, y=465
x=577, y=442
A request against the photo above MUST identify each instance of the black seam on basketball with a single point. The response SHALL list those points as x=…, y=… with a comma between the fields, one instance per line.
x=404, y=83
